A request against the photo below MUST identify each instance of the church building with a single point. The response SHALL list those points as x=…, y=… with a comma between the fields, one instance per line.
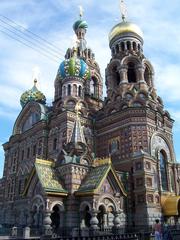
x=88, y=163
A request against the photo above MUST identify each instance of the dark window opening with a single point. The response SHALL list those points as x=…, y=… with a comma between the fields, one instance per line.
x=55, y=144
x=134, y=46
x=163, y=171
x=122, y=46
x=69, y=90
x=131, y=73
x=34, y=150
x=117, y=48
x=129, y=45
x=80, y=91
x=28, y=152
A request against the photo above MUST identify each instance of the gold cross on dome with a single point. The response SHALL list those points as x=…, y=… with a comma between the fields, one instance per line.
x=123, y=10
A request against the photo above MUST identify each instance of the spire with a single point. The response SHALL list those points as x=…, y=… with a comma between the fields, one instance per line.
x=77, y=134
x=123, y=10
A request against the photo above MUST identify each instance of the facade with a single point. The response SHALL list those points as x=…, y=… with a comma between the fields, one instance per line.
x=87, y=163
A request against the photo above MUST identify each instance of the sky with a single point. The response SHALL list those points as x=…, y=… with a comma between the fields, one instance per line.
x=52, y=20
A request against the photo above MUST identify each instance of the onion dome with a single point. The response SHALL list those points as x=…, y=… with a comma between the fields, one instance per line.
x=124, y=28
x=80, y=24
x=74, y=67
x=32, y=95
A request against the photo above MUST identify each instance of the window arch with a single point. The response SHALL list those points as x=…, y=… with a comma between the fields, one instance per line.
x=122, y=46
x=173, y=188
x=80, y=91
x=131, y=73
x=64, y=91
x=148, y=76
x=93, y=87
x=134, y=46
x=55, y=144
x=163, y=171
x=69, y=89
x=129, y=45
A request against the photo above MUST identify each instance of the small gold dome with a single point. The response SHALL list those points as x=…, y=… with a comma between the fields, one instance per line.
x=125, y=27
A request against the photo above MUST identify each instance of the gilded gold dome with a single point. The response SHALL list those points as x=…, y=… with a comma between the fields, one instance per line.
x=125, y=27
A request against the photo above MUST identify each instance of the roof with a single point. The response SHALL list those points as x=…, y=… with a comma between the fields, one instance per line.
x=47, y=177
x=95, y=178
x=170, y=205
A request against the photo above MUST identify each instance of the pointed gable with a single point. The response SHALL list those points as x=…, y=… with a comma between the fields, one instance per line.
x=97, y=176
x=48, y=178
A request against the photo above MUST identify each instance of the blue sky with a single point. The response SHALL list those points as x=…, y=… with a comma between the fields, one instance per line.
x=53, y=19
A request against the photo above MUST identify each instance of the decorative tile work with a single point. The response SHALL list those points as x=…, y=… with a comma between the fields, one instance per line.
x=48, y=177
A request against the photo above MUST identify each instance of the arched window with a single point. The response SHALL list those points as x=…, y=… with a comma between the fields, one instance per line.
x=172, y=181
x=134, y=46
x=164, y=182
x=129, y=45
x=131, y=73
x=64, y=91
x=117, y=48
x=93, y=87
x=80, y=91
x=55, y=144
x=74, y=90
x=122, y=46
x=116, y=75
x=69, y=89
x=147, y=76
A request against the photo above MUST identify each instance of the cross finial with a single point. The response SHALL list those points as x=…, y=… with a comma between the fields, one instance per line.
x=35, y=82
x=81, y=11
x=123, y=10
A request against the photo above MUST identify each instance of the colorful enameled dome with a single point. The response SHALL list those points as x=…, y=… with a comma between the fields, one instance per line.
x=32, y=95
x=74, y=67
x=80, y=24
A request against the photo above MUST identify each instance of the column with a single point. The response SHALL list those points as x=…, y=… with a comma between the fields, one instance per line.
x=47, y=223
x=123, y=75
x=94, y=221
x=105, y=220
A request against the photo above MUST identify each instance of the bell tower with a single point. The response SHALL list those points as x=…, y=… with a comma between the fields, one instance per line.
x=128, y=69
x=133, y=127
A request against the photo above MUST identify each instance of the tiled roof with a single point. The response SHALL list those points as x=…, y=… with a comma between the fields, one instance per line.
x=48, y=176
x=94, y=178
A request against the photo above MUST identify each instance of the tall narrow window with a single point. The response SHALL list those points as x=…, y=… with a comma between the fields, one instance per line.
x=94, y=87
x=69, y=89
x=163, y=171
x=172, y=181
x=55, y=144
x=34, y=150
x=147, y=76
x=80, y=91
x=64, y=91
x=131, y=73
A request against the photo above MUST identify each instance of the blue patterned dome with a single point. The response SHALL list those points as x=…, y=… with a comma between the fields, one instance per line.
x=74, y=67
x=32, y=95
